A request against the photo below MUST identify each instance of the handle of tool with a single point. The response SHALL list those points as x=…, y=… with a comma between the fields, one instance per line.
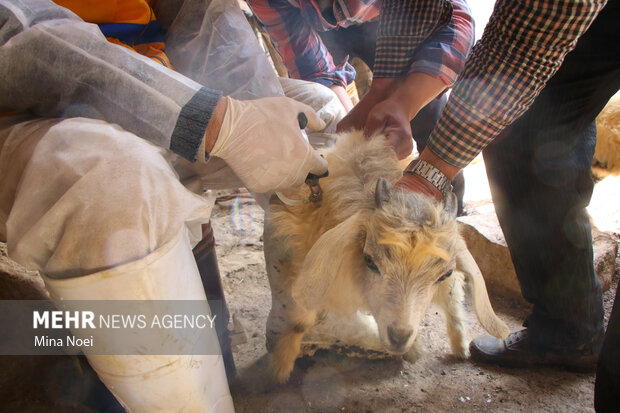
x=303, y=122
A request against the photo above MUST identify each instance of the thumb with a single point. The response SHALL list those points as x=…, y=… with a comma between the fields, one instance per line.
x=317, y=164
x=314, y=121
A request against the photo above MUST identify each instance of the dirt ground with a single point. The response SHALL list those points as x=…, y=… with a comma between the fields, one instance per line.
x=437, y=382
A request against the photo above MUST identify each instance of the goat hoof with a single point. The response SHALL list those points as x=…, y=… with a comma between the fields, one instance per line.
x=462, y=354
x=282, y=375
x=414, y=353
x=281, y=370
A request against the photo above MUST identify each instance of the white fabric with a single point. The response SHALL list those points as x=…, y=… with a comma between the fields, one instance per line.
x=81, y=195
x=320, y=98
x=211, y=42
x=262, y=142
x=150, y=383
x=54, y=64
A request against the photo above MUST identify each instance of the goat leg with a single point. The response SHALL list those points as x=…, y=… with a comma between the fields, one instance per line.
x=288, y=344
x=449, y=297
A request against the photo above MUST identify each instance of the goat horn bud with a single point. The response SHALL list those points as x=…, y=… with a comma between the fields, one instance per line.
x=383, y=192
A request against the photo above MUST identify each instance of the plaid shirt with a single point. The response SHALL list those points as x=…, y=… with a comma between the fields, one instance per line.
x=439, y=48
x=523, y=45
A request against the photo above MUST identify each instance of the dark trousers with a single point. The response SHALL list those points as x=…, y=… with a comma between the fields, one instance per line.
x=206, y=260
x=539, y=172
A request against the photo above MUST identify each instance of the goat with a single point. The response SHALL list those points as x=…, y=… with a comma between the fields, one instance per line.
x=367, y=248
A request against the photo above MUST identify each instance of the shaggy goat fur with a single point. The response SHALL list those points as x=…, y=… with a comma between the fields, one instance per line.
x=606, y=160
x=367, y=248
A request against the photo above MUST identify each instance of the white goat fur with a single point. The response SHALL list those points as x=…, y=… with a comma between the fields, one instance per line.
x=317, y=257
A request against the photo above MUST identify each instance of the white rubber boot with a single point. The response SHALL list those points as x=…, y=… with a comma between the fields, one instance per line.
x=150, y=383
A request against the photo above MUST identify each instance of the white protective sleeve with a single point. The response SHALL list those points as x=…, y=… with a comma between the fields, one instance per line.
x=54, y=64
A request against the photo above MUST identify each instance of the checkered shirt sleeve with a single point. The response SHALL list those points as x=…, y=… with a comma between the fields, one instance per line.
x=523, y=45
x=430, y=36
x=302, y=50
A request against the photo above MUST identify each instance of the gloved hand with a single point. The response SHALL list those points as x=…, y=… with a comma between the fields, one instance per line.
x=262, y=142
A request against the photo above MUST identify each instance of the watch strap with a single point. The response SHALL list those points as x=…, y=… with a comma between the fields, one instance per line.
x=431, y=174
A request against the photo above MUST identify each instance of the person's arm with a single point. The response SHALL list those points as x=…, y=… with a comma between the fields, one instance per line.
x=343, y=96
x=392, y=116
x=522, y=47
x=302, y=50
x=443, y=54
x=436, y=65
x=429, y=52
x=54, y=64
x=403, y=27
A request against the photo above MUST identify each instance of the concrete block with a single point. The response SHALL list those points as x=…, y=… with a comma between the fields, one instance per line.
x=486, y=242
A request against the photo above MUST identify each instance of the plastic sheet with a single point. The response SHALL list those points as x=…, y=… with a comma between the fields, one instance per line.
x=211, y=42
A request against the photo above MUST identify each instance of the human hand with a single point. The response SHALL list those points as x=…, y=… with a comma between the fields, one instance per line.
x=379, y=91
x=391, y=118
x=262, y=142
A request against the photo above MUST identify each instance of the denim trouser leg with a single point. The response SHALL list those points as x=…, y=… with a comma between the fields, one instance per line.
x=539, y=172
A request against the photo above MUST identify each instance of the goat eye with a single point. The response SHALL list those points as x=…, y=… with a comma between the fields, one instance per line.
x=443, y=277
x=370, y=263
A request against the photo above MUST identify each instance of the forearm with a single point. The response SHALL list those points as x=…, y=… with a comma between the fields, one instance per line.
x=508, y=67
x=403, y=27
x=303, y=52
x=343, y=96
x=215, y=124
x=417, y=91
x=61, y=66
x=444, y=52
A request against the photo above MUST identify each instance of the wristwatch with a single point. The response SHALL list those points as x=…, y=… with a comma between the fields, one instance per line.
x=431, y=174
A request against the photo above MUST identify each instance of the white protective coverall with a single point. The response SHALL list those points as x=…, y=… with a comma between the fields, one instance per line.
x=98, y=191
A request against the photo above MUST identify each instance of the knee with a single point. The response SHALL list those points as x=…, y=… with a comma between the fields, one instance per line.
x=93, y=196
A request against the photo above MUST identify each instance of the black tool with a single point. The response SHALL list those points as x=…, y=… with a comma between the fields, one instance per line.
x=312, y=180
x=302, y=119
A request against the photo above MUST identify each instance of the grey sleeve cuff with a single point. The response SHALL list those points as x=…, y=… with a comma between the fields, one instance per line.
x=191, y=125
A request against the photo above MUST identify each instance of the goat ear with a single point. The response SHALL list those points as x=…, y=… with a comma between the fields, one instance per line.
x=326, y=258
x=383, y=192
x=486, y=316
x=451, y=204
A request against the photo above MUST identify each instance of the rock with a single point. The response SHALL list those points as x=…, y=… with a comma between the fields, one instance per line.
x=605, y=248
x=487, y=245
x=486, y=242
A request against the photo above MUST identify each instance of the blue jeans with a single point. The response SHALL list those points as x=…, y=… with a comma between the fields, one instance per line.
x=539, y=173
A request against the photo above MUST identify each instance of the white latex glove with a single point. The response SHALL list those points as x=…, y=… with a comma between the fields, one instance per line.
x=262, y=142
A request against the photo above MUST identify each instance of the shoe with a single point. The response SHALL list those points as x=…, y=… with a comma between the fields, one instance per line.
x=517, y=351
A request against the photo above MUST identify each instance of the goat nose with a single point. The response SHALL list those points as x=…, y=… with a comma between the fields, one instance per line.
x=398, y=336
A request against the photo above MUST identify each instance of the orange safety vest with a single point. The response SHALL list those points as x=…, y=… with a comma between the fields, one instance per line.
x=129, y=23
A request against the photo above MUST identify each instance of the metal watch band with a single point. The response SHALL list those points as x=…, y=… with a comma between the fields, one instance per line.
x=431, y=174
